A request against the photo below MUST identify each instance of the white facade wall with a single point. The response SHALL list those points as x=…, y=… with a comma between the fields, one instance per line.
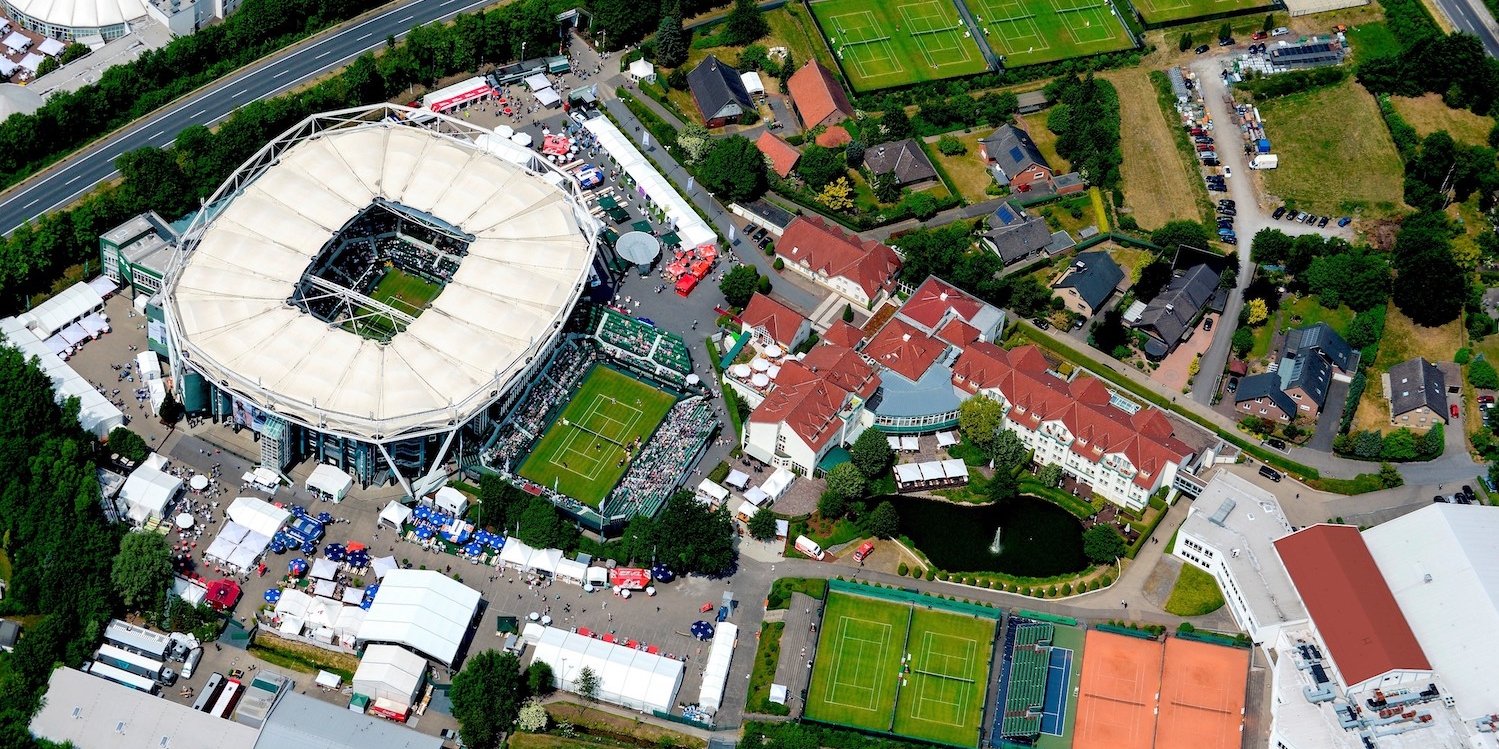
x=841, y=285
x=1053, y=444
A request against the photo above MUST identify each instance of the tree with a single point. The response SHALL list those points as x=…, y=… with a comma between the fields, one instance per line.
x=1008, y=450
x=754, y=57
x=1102, y=544
x=692, y=538
x=895, y=124
x=1176, y=233
x=1481, y=374
x=171, y=410
x=540, y=525
x=47, y=65
x=762, y=525
x=1389, y=476
x=128, y=444
x=1153, y=278
x=788, y=67
x=142, y=570
x=671, y=41
x=1003, y=487
x=74, y=51
x=1258, y=312
x=695, y=142
x=819, y=166
x=540, y=680
x=979, y=419
x=871, y=453
x=744, y=24
x=1431, y=288
x=738, y=285
x=533, y=717
x=848, y=313
x=1269, y=23
x=1226, y=31
x=951, y=146
x=853, y=154
x=1050, y=475
x=587, y=684
x=1185, y=43
x=884, y=521
x=486, y=697
x=923, y=206
x=831, y=505
x=1243, y=342
x=1270, y=246
x=886, y=189
x=837, y=195
x=763, y=284
x=1433, y=443
x=846, y=481
x=734, y=170
x=677, y=79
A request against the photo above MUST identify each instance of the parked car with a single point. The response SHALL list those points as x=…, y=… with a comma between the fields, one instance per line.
x=1270, y=473
x=1344, y=221
x=1228, y=171
x=1225, y=42
x=1322, y=222
x=1210, y=162
x=1231, y=239
x=1276, y=443
x=1207, y=323
x=1233, y=384
x=1216, y=187
x=1201, y=49
x=1227, y=202
x=1258, y=35
x=1279, y=31
x=1205, y=147
x=1281, y=211
x=1204, y=139
x=1485, y=399
x=1454, y=410
x=1041, y=323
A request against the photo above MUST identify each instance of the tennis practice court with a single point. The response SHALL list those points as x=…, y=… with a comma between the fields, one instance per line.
x=883, y=43
x=1058, y=668
x=1202, y=696
x=1116, y=702
x=1029, y=32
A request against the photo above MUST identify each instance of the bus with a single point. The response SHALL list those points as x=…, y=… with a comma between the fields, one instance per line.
x=210, y=693
x=125, y=660
x=121, y=676
x=138, y=640
x=225, y=703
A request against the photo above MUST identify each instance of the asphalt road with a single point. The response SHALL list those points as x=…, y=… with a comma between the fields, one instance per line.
x=1471, y=16
x=264, y=79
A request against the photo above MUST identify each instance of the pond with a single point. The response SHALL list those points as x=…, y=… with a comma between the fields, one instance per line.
x=1037, y=538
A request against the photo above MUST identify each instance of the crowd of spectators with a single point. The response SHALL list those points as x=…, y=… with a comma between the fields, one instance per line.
x=552, y=391
x=659, y=468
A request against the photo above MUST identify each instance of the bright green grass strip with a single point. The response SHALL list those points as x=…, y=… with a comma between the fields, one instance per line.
x=404, y=291
x=583, y=464
x=1195, y=594
x=858, y=659
x=1031, y=32
x=946, y=710
x=900, y=57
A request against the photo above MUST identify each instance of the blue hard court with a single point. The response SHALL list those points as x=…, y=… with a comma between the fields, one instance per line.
x=1055, y=707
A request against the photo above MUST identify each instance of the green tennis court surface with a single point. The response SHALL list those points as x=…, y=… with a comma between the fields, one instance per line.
x=896, y=668
x=582, y=452
x=1030, y=32
x=883, y=43
x=1164, y=11
x=405, y=292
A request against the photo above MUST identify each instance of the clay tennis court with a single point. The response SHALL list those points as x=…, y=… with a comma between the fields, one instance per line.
x=1202, y=696
x=1116, y=700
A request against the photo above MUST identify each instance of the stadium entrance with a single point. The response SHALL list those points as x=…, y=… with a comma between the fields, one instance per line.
x=381, y=270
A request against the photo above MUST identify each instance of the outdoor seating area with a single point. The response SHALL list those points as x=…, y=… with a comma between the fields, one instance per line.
x=636, y=339
x=689, y=267
x=665, y=460
x=932, y=474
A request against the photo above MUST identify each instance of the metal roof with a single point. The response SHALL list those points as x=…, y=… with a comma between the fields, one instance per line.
x=301, y=722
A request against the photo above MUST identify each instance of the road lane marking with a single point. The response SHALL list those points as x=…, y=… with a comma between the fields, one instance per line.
x=32, y=203
x=284, y=72
x=75, y=179
x=241, y=92
x=325, y=54
x=198, y=113
x=407, y=18
x=158, y=134
x=366, y=36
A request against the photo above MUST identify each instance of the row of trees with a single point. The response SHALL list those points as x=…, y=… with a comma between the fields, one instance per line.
x=492, y=695
x=1086, y=121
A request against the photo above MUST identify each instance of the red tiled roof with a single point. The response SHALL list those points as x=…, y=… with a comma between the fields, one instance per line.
x=958, y=333
x=806, y=403
x=843, y=367
x=904, y=349
x=834, y=137
x=828, y=251
x=843, y=334
x=779, y=321
x=933, y=298
x=1350, y=603
x=817, y=94
x=981, y=365
x=783, y=156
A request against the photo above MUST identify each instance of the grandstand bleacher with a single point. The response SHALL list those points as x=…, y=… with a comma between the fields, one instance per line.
x=1023, y=673
x=640, y=346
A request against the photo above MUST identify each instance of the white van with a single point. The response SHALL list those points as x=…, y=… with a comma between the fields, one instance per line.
x=191, y=662
x=809, y=547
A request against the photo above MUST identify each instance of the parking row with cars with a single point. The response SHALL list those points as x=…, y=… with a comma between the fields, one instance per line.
x=1310, y=219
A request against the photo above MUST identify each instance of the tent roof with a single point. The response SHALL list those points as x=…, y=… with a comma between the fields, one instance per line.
x=147, y=491
x=63, y=310
x=258, y=515
x=95, y=413
x=396, y=513
x=329, y=479
x=624, y=673
x=690, y=227
x=390, y=669
x=421, y=609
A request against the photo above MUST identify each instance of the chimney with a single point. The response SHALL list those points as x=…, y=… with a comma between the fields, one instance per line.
x=905, y=337
x=1170, y=307
x=942, y=296
x=882, y=150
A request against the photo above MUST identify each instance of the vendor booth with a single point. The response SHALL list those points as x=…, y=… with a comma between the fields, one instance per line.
x=395, y=514
x=329, y=483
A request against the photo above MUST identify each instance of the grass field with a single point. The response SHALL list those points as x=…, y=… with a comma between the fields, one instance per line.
x=1333, y=164
x=1030, y=32
x=580, y=454
x=895, y=42
x=404, y=291
x=1428, y=114
x=1161, y=11
x=858, y=660
x=942, y=698
x=1195, y=593
x=1160, y=171
x=969, y=173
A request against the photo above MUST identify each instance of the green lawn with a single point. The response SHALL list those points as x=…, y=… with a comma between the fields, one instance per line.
x=858, y=659
x=1161, y=11
x=1030, y=32
x=1333, y=165
x=580, y=454
x=1308, y=311
x=1372, y=40
x=763, y=673
x=942, y=699
x=404, y=291
x=884, y=43
x=1195, y=594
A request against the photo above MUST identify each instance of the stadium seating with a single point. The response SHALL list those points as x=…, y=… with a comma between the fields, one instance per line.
x=1025, y=692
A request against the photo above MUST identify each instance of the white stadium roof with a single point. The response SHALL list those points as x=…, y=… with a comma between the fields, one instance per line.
x=1442, y=565
x=81, y=14
x=523, y=273
x=424, y=610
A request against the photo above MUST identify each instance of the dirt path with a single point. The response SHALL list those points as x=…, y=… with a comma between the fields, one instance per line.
x=1157, y=184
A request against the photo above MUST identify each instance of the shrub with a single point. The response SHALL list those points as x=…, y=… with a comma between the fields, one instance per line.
x=779, y=264
x=950, y=146
x=1482, y=375
x=930, y=575
x=902, y=569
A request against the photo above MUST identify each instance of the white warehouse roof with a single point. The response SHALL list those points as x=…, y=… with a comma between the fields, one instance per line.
x=95, y=713
x=424, y=610
x=523, y=272
x=627, y=677
x=1442, y=564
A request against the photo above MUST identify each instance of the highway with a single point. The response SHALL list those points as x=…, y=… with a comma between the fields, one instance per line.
x=1471, y=16
x=263, y=79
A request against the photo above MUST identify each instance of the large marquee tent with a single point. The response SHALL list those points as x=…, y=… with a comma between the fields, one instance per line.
x=95, y=413
x=258, y=515
x=716, y=673
x=390, y=673
x=692, y=229
x=424, y=610
x=237, y=546
x=627, y=677
x=147, y=492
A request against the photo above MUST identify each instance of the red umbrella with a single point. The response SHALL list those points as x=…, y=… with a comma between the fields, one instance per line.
x=223, y=593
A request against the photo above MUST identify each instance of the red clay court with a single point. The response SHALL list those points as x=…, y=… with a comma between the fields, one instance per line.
x=1200, y=688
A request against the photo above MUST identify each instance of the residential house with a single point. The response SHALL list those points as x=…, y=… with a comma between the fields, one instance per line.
x=1089, y=282
x=781, y=155
x=814, y=405
x=1314, y=357
x=818, y=97
x=1260, y=395
x=1015, y=161
x=944, y=310
x=1015, y=235
x=904, y=159
x=1417, y=391
x=780, y=324
x=1168, y=317
x=718, y=92
x=843, y=334
x=859, y=270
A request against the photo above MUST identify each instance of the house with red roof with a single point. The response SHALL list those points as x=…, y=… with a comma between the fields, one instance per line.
x=782, y=155
x=843, y=334
x=818, y=97
x=813, y=406
x=859, y=270
x=778, y=323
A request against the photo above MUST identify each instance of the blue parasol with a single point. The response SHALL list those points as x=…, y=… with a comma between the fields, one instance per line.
x=297, y=510
x=325, y=517
x=662, y=573
x=297, y=567
x=424, y=533
x=309, y=548
x=333, y=548
x=273, y=595
x=335, y=554
x=702, y=630
x=359, y=558
x=474, y=549
x=277, y=547
x=366, y=603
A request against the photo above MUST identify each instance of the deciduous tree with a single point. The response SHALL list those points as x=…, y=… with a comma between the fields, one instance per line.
x=744, y=24
x=486, y=697
x=884, y=521
x=837, y=195
x=738, y=285
x=871, y=453
x=142, y=570
x=846, y=480
x=1008, y=450
x=734, y=170
x=1102, y=544
x=762, y=525
x=979, y=419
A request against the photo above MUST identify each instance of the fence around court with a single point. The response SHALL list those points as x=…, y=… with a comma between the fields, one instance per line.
x=1043, y=617
x=1126, y=631
x=914, y=598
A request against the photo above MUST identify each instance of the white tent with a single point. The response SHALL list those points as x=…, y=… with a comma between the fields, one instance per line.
x=147, y=492
x=294, y=603
x=390, y=673
x=237, y=546
x=75, y=303
x=451, y=500
x=596, y=576
x=642, y=70
x=711, y=492
x=382, y=565
x=324, y=569
x=352, y=595
x=775, y=486
x=330, y=481
x=191, y=591
x=516, y=555
x=537, y=82
x=572, y=571
x=747, y=510
x=346, y=625
x=327, y=680
x=547, y=560
x=258, y=515
x=627, y=677
x=737, y=479
x=324, y=588
x=95, y=413
x=396, y=514
x=756, y=496
x=752, y=84
x=424, y=610
x=693, y=230
x=51, y=47
x=548, y=98
x=716, y=673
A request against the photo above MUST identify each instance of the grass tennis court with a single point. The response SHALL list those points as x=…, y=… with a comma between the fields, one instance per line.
x=942, y=697
x=858, y=660
x=1030, y=32
x=1164, y=11
x=883, y=43
x=404, y=291
x=581, y=452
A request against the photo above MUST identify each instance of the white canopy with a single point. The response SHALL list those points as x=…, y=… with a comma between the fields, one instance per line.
x=778, y=693
x=17, y=42
x=424, y=610
x=258, y=515
x=537, y=82
x=191, y=591
x=690, y=227
x=352, y=595
x=51, y=47
x=95, y=413
x=324, y=588
x=324, y=569
x=293, y=602
x=451, y=500
x=642, y=69
x=709, y=488
x=547, y=560
x=756, y=496
x=516, y=554
x=946, y=439
x=571, y=570
x=747, y=509
x=31, y=62
x=909, y=443
x=627, y=677
x=396, y=514
x=716, y=673
x=775, y=486
x=330, y=481
x=597, y=576
x=548, y=97
x=752, y=84
x=147, y=492
x=328, y=680
x=383, y=565
x=73, y=304
x=390, y=673
x=737, y=479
